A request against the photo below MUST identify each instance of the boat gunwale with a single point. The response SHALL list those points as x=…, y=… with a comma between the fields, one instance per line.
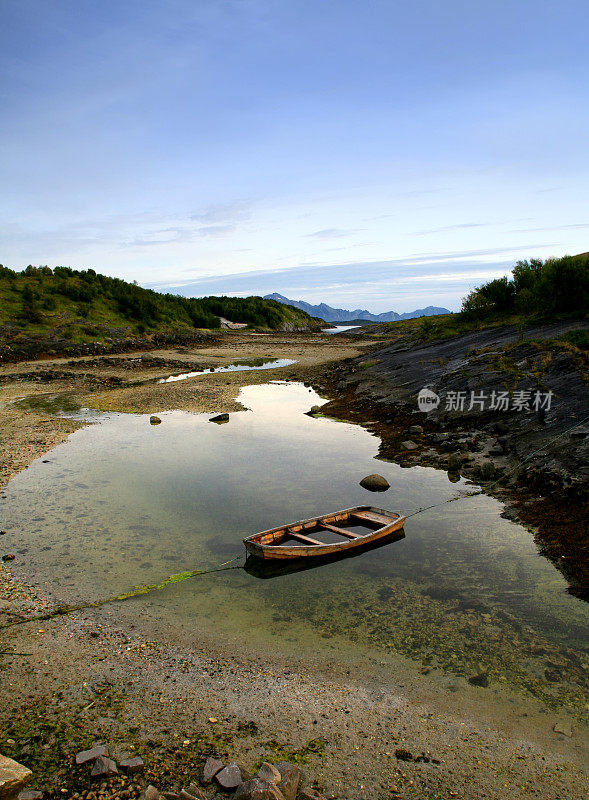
x=274, y=551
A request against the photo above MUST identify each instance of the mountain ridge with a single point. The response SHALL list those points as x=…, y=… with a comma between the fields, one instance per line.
x=330, y=314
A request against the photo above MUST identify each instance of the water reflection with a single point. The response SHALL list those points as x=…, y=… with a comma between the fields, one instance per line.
x=237, y=366
x=124, y=503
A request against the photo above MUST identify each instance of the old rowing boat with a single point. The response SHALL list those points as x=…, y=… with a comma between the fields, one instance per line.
x=332, y=533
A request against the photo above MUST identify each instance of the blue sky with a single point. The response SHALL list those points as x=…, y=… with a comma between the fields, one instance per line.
x=387, y=155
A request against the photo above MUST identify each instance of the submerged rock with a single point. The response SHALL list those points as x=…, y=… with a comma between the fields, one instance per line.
x=375, y=483
x=482, y=679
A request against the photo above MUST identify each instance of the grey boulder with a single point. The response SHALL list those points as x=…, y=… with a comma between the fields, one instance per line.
x=375, y=483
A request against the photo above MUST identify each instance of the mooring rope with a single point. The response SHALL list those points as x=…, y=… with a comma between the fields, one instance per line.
x=136, y=592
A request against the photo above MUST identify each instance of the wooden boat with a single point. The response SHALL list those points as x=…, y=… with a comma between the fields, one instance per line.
x=322, y=536
x=265, y=568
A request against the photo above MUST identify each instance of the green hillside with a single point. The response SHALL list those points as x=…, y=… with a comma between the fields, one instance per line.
x=83, y=306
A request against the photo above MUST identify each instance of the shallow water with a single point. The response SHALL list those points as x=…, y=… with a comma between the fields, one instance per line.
x=340, y=328
x=237, y=366
x=124, y=503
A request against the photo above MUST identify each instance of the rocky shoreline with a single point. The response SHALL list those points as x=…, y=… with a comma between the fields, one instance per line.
x=537, y=462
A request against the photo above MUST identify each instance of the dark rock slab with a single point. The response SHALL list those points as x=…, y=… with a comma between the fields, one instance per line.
x=155, y=420
x=210, y=769
x=229, y=777
x=220, y=418
x=84, y=756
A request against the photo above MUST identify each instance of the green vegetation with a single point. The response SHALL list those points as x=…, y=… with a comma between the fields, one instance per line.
x=542, y=288
x=84, y=306
x=538, y=291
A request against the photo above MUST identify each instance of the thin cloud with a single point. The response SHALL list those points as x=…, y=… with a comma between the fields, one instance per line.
x=458, y=227
x=332, y=233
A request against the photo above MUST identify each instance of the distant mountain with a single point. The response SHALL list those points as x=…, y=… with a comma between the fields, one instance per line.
x=330, y=314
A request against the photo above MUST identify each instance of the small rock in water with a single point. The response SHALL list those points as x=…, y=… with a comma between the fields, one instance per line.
x=132, y=765
x=104, y=768
x=229, y=777
x=210, y=769
x=8, y=557
x=155, y=420
x=220, y=418
x=409, y=445
x=315, y=410
x=84, y=756
x=375, y=483
x=13, y=777
x=269, y=773
x=563, y=727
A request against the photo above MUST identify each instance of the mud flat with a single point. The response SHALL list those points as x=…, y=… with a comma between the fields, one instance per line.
x=98, y=676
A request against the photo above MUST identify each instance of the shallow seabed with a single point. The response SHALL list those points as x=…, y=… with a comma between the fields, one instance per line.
x=124, y=503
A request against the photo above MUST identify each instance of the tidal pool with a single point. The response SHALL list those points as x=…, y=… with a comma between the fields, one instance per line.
x=237, y=366
x=124, y=503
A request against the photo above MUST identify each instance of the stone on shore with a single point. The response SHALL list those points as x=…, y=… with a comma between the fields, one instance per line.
x=30, y=794
x=375, y=483
x=229, y=777
x=151, y=793
x=290, y=778
x=192, y=793
x=104, y=768
x=210, y=769
x=310, y=794
x=409, y=445
x=132, y=765
x=13, y=778
x=91, y=755
x=415, y=430
x=269, y=773
x=257, y=789
x=155, y=420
